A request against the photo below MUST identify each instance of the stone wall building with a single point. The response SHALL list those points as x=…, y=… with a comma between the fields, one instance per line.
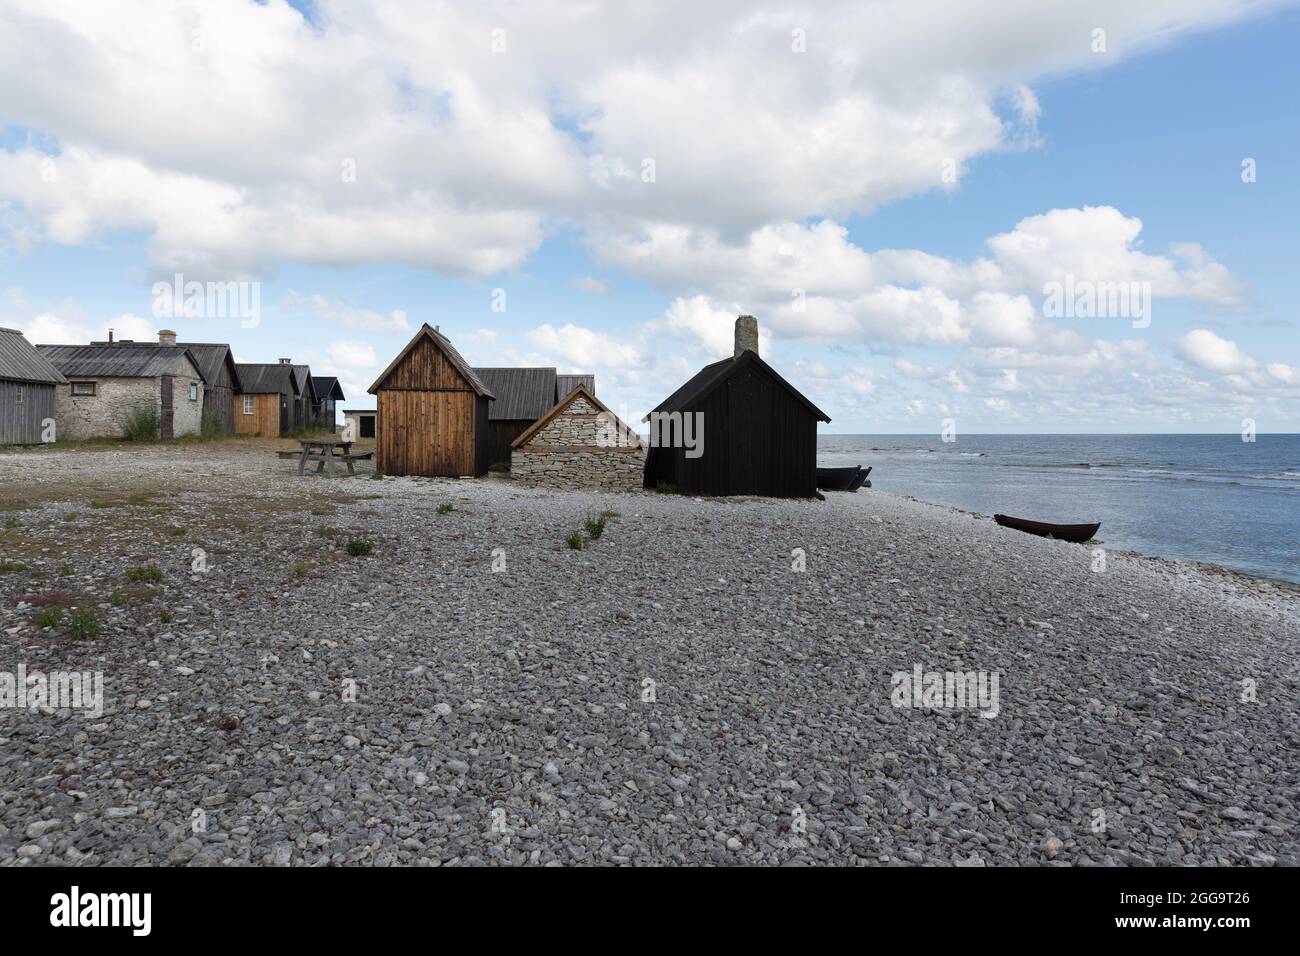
x=109, y=383
x=579, y=443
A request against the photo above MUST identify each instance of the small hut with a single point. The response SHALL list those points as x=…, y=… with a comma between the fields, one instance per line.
x=579, y=443
x=432, y=411
x=304, y=407
x=328, y=394
x=362, y=421
x=736, y=428
x=221, y=380
x=266, y=400
x=27, y=384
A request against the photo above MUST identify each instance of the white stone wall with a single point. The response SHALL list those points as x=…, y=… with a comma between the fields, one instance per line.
x=102, y=415
x=563, y=454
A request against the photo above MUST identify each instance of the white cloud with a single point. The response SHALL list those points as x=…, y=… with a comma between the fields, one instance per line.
x=70, y=326
x=353, y=355
x=1212, y=353
x=581, y=348
x=340, y=313
x=590, y=285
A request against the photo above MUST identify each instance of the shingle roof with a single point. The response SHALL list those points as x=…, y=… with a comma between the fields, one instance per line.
x=448, y=349
x=304, y=378
x=210, y=357
x=260, y=379
x=116, y=361
x=521, y=393
x=327, y=386
x=21, y=362
x=564, y=384
x=709, y=377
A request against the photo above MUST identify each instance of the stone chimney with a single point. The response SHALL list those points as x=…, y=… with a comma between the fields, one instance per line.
x=746, y=335
x=286, y=361
x=166, y=337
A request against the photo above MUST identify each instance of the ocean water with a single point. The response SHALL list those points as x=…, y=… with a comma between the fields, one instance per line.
x=1210, y=498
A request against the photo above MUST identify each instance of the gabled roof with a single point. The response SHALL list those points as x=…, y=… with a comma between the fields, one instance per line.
x=444, y=344
x=21, y=362
x=580, y=391
x=564, y=384
x=209, y=357
x=255, y=379
x=303, y=372
x=117, y=360
x=521, y=393
x=711, y=376
x=327, y=386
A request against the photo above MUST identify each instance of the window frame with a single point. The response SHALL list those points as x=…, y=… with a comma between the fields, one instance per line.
x=248, y=404
x=194, y=391
x=20, y=394
x=74, y=386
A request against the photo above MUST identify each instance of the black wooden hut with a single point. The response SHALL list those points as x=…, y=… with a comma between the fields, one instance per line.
x=754, y=432
x=328, y=394
x=27, y=383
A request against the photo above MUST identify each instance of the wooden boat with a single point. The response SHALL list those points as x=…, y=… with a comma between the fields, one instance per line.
x=837, y=479
x=1078, y=533
x=861, y=480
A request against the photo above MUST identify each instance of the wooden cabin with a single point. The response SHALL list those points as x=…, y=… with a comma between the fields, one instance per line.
x=304, y=408
x=264, y=405
x=579, y=443
x=755, y=433
x=27, y=383
x=328, y=394
x=432, y=411
x=111, y=383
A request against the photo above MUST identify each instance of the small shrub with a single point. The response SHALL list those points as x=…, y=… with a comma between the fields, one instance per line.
x=609, y=514
x=48, y=617
x=300, y=569
x=142, y=425
x=83, y=624
x=327, y=532
x=66, y=570
x=321, y=512
x=11, y=523
x=70, y=516
x=146, y=574
x=359, y=547
x=377, y=475
x=176, y=530
x=500, y=467
x=575, y=541
x=596, y=526
x=166, y=617
x=102, y=503
x=665, y=488
x=446, y=508
x=117, y=599
x=12, y=567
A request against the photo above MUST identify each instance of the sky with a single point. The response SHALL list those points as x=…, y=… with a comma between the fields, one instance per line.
x=1016, y=216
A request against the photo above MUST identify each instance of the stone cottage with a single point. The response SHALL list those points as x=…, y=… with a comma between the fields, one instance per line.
x=110, y=382
x=579, y=443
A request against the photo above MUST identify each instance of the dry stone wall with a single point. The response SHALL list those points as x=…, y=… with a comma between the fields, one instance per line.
x=573, y=450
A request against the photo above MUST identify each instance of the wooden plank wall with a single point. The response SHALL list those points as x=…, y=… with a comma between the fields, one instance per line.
x=264, y=421
x=218, y=403
x=429, y=421
x=21, y=424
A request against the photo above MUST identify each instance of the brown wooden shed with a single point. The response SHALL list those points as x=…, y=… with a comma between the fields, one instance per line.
x=432, y=411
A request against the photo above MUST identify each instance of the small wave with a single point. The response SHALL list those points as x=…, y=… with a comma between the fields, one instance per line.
x=971, y=454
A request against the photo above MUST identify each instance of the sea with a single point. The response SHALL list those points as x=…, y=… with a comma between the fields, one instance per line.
x=1211, y=498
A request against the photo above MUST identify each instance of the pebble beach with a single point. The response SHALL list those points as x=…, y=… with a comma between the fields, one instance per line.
x=348, y=671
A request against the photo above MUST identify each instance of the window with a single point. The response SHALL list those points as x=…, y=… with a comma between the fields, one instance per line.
x=83, y=388
x=18, y=394
x=194, y=392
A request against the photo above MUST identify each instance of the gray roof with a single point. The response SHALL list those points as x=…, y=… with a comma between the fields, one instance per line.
x=304, y=378
x=564, y=384
x=210, y=357
x=522, y=393
x=261, y=379
x=711, y=376
x=21, y=362
x=117, y=360
x=326, y=386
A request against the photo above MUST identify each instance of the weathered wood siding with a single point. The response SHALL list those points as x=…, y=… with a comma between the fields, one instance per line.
x=431, y=421
x=500, y=434
x=264, y=421
x=219, y=405
x=21, y=424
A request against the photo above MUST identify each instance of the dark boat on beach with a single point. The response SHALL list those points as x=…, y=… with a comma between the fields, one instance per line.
x=861, y=480
x=840, y=479
x=1078, y=533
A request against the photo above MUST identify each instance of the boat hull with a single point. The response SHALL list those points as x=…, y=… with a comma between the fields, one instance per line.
x=837, y=479
x=1077, y=533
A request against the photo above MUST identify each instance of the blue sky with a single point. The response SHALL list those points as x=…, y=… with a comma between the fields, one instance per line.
x=521, y=170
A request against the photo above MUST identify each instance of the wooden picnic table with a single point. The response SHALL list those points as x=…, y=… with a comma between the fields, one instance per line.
x=322, y=451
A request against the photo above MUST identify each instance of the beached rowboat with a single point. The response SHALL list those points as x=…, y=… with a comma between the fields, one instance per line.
x=1077, y=533
x=838, y=479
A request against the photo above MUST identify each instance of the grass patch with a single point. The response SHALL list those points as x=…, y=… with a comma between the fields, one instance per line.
x=500, y=467
x=300, y=569
x=377, y=475
x=359, y=547
x=12, y=567
x=321, y=512
x=48, y=617
x=166, y=617
x=595, y=526
x=11, y=523
x=326, y=532
x=665, y=488
x=70, y=516
x=102, y=503
x=177, y=530
x=118, y=599
x=83, y=624
x=66, y=570
x=575, y=540
x=145, y=574
x=446, y=508
x=142, y=425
